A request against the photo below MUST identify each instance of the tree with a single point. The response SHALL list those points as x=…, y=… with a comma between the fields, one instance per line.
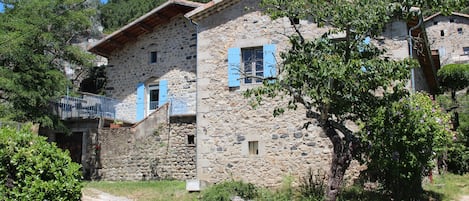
x=336, y=80
x=402, y=139
x=36, y=39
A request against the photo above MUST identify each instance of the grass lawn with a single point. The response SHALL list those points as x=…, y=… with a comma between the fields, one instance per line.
x=450, y=186
x=145, y=190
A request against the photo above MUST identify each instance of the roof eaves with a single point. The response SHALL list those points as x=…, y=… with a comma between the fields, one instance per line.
x=439, y=13
x=140, y=19
x=210, y=8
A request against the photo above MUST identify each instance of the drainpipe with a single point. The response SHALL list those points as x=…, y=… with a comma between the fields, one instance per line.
x=196, y=91
x=410, y=39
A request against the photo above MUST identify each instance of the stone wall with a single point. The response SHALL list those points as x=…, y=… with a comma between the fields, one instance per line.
x=227, y=124
x=161, y=153
x=443, y=35
x=175, y=44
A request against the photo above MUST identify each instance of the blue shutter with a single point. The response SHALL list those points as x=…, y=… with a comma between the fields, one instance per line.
x=234, y=64
x=140, y=101
x=163, y=93
x=269, y=61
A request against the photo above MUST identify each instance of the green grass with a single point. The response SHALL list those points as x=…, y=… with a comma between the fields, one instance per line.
x=144, y=190
x=450, y=186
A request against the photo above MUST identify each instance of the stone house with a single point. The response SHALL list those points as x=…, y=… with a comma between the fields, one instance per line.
x=449, y=36
x=173, y=73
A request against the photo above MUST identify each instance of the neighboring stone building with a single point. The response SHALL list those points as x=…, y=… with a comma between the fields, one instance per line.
x=449, y=35
x=152, y=61
x=174, y=74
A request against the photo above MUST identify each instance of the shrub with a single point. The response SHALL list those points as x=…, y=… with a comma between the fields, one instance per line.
x=33, y=169
x=454, y=76
x=402, y=140
x=226, y=190
x=313, y=186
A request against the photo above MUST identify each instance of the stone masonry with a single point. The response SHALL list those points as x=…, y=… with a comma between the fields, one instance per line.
x=163, y=153
x=449, y=35
x=175, y=44
x=227, y=124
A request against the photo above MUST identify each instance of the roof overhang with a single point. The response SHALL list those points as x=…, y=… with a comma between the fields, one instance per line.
x=145, y=24
x=210, y=8
x=439, y=13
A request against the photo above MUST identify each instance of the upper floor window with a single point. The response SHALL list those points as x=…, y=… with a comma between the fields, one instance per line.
x=466, y=50
x=451, y=20
x=153, y=57
x=460, y=30
x=435, y=22
x=442, y=33
x=253, y=64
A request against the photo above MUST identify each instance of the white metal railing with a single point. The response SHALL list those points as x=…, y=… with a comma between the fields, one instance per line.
x=85, y=106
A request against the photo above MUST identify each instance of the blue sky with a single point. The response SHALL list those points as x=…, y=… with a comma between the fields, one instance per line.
x=1, y=5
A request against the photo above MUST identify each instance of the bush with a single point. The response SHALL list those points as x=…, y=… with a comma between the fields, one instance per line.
x=402, y=140
x=313, y=186
x=33, y=169
x=454, y=76
x=226, y=190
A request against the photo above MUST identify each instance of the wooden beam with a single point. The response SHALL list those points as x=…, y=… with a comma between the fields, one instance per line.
x=145, y=27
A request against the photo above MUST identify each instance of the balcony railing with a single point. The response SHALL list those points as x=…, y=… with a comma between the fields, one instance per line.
x=85, y=106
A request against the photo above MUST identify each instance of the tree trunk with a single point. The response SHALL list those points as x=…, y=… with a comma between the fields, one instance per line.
x=341, y=158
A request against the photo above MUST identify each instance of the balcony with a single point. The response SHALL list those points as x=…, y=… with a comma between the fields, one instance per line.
x=85, y=106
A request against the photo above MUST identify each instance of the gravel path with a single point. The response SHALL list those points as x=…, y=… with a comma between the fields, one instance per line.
x=91, y=194
x=464, y=198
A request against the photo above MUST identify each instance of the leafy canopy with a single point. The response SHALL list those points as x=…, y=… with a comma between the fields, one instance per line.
x=35, y=45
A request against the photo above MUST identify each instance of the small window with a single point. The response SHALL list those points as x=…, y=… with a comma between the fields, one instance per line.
x=466, y=50
x=435, y=22
x=253, y=64
x=191, y=139
x=459, y=30
x=451, y=20
x=153, y=57
x=253, y=147
x=442, y=33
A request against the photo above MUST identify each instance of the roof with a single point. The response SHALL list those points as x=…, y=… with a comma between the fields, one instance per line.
x=439, y=13
x=145, y=24
x=210, y=8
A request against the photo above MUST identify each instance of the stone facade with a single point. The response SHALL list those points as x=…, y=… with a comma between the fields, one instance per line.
x=227, y=125
x=175, y=47
x=449, y=35
x=163, y=153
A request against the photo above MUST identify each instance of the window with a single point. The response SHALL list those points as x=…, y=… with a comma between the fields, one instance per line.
x=442, y=33
x=459, y=30
x=153, y=57
x=466, y=50
x=257, y=61
x=253, y=64
x=191, y=139
x=150, y=96
x=153, y=97
x=451, y=20
x=435, y=22
x=253, y=147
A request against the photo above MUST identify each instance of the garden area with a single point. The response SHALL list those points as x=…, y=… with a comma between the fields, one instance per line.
x=445, y=187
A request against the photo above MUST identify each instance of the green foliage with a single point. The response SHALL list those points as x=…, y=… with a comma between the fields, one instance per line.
x=458, y=154
x=313, y=186
x=226, y=190
x=454, y=77
x=402, y=140
x=117, y=13
x=35, y=43
x=33, y=169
